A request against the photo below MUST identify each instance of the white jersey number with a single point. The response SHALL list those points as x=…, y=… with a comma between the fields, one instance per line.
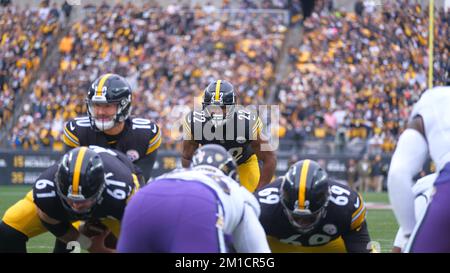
x=341, y=198
x=269, y=196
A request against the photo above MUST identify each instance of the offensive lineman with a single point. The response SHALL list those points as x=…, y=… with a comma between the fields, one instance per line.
x=305, y=211
x=89, y=184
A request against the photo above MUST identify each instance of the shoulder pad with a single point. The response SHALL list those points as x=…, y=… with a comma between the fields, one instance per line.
x=359, y=214
x=349, y=202
x=70, y=137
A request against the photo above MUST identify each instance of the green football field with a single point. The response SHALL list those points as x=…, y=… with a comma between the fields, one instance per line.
x=381, y=221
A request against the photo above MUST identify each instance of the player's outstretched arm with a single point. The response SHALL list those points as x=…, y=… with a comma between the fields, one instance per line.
x=406, y=162
x=189, y=147
x=65, y=232
x=249, y=235
x=146, y=163
x=268, y=158
x=357, y=240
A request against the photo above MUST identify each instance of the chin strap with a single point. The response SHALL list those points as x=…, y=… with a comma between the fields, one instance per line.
x=102, y=128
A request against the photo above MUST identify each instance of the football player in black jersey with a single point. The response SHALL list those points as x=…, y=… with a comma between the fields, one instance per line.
x=89, y=184
x=237, y=129
x=305, y=211
x=109, y=124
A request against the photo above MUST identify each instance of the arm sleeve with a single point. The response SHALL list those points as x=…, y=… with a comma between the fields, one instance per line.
x=146, y=164
x=59, y=230
x=400, y=239
x=249, y=235
x=155, y=141
x=405, y=164
x=357, y=241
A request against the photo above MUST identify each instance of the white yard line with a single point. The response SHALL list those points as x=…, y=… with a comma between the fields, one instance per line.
x=380, y=206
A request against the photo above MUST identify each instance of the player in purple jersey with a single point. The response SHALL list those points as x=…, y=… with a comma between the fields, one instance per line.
x=431, y=119
x=194, y=210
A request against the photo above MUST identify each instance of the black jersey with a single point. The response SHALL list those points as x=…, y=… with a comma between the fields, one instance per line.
x=236, y=135
x=139, y=138
x=345, y=215
x=121, y=184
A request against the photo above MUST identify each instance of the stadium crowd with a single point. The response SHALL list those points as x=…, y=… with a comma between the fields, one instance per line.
x=167, y=55
x=354, y=77
x=357, y=75
x=25, y=37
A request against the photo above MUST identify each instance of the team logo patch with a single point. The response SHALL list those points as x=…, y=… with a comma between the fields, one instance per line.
x=240, y=139
x=133, y=155
x=330, y=229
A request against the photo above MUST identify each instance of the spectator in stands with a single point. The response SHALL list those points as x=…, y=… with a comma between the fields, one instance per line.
x=24, y=40
x=372, y=66
x=185, y=53
x=67, y=9
x=377, y=175
x=352, y=173
x=54, y=11
x=359, y=7
x=364, y=170
x=361, y=74
x=5, y=3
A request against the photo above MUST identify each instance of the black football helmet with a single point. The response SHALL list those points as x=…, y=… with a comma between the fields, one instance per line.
x=216, y=156
x=219, y=101
x=106, y=89
x=80, y=178
x=304, y=194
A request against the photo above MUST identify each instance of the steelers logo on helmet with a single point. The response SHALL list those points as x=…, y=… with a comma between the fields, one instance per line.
x=211, y=157
x=80, y=181
x=304, y=195
x=108, y=101
x=219, y=101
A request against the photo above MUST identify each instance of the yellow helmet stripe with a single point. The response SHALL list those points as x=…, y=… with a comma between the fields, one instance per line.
x=76, y=174
x=302, y=188
x=218, y=89
x=101, y=83
x=135, y=188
